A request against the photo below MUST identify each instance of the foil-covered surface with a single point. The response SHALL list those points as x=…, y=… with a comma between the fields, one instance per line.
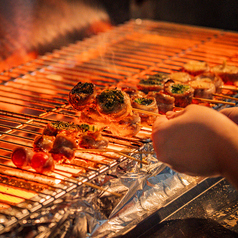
x=89, y=212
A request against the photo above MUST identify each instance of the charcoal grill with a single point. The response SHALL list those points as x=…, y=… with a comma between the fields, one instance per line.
x=36, y=93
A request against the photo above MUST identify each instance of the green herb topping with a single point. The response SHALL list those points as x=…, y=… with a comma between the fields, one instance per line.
x=111, y=98
x=144, y=101
x=179, y=88
x=86, y=88
x=150, y=81
x=73, y=127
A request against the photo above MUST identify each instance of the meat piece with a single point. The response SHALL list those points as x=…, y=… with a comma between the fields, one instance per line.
x=211, y=78
x=182, y=93
x=164, y=102
x=181, y=77
x=91, y=116
x=128, y=88
x=42, y=163
x=153, y=83
x=195, y=67
x=113, y=104
x=127, y=127
x=146, y=104
x=203, y=89
x=21, y=157
x=93, y=140
x=81, y=95
x=63, y=148
x=43, y=143
x=228, y=73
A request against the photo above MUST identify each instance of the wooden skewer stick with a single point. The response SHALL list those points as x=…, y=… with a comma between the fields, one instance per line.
x=146, y=112
x=112, y=150
x=122, y=152
x=102, y=189
x=132, y=158
x=229, y=87
x=225, y=96
x=215, y=101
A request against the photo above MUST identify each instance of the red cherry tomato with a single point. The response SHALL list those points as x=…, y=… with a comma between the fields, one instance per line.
x=42, y=162
x=21, y=157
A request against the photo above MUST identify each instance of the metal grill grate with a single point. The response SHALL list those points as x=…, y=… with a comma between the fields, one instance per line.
x=33, y=94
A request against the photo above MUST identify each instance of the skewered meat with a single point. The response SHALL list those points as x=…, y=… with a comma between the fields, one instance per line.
x=128, y=126
x=42, y=162
x=113, y=104
x=43, y=143
x=153, y=83
x=182, y=93
x=203, y=89
x=82, y=94
x=91, y=116
x=228, y=73
x=21, y=157
x=93, y=140
x=211, y=78
x=128, y=88
x=146, y=104
x=63, y=148
x=164, y=102
x=181, y=77
x=195, y=67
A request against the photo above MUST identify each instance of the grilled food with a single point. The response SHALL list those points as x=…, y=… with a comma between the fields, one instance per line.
x=211, y=78
x=147, y=104
x=21, y=157
x=113, y=104
x=181, y=77
x=228, y=73
x=182, y=93
x=164, y=102
x=195, y=67
x=82, y=94
x=153, y=83
x=203, y=88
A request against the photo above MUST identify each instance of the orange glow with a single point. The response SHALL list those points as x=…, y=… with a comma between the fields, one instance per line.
x=16, y=59
x=14, y=195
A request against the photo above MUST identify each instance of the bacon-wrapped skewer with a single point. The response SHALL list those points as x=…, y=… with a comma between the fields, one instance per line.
x=182, y=93
x=181, y=77
x=21, y=157
x=127, y=126
x=145, y=104
x=113, y=104
x=211, y=78
x=195, y=67
x=228, y=73
x=153, y=83
x=82, y=94
x=203, y=89
x=25, y=158
x=42, y=162
x=164, y=102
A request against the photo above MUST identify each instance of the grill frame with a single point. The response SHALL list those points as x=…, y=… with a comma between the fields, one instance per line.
x=105, y=59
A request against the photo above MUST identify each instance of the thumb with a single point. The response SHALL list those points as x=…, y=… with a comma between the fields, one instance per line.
x=159, y=120
x=172, y=114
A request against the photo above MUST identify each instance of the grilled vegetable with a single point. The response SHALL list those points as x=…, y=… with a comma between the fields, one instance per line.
x=21, y=157
x=42, y=162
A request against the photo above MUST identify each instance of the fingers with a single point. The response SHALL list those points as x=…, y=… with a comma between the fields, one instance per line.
x=231, y=113
x=171, y=114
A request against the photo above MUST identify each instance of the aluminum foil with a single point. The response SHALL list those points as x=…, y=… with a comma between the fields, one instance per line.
x=88, y=212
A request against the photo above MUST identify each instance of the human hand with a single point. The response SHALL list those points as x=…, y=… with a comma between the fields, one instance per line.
x=232, y=113
x=197, y=141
